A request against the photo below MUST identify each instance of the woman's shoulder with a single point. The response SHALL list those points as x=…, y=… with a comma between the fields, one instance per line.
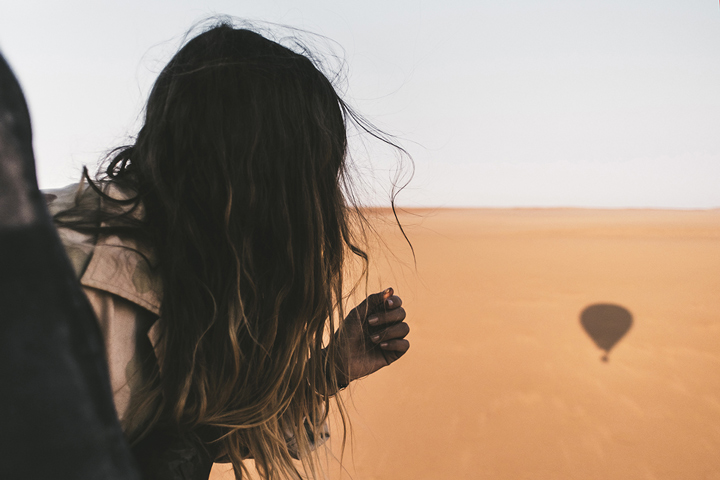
x=79, y=246
x=124, y=268
x=113, y=263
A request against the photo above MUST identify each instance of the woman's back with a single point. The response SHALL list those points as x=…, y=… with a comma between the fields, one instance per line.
x=230, y=205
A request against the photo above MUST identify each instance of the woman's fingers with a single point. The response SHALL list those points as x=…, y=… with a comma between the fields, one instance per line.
x=393, y=302
x=376, y=302
x=399, y=346
x=399, y=330
x=384, y=318
x=394, y=349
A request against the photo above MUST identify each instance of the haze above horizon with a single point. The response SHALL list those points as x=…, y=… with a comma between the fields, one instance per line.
x=522, y=103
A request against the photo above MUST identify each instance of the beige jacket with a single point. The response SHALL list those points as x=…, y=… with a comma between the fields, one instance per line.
x=123, y=292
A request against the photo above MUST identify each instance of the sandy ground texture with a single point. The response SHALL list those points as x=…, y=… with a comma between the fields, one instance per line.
x=505, y=378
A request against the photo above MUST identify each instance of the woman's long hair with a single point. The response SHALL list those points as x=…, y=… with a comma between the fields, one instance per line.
x=239, y=168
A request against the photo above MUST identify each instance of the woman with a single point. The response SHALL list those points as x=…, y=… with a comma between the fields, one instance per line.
x=212, y=251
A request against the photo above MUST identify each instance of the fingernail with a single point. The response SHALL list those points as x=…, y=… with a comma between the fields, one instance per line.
x=389, y=303
x=375, y=338
x=373, y=320
x=383, y=345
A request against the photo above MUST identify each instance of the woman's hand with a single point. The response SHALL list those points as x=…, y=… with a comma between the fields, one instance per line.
x=372, y=336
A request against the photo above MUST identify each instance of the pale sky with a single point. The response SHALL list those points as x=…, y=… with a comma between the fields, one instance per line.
x=501, y=103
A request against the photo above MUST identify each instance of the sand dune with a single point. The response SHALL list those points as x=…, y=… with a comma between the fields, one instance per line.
x=503, y=381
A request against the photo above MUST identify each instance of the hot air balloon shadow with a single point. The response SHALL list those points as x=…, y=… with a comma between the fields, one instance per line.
x=606, y=324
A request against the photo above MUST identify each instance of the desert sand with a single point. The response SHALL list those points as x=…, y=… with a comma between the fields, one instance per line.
x=503, y=381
